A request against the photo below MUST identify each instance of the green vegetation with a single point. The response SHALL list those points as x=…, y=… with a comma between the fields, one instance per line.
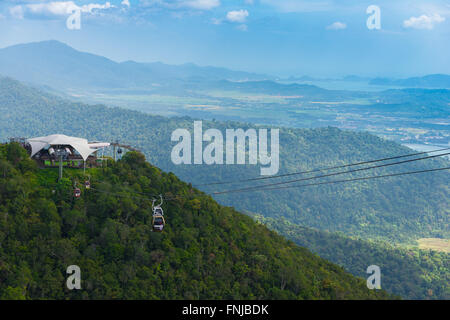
x=410, y=273
x=400, y=209
x=206, y=251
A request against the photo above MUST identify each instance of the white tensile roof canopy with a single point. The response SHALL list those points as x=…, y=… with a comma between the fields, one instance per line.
x=82, y=146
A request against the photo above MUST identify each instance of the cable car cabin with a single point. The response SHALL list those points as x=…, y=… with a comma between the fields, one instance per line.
x=77, y=193
x=158, y=223
x=87, y=184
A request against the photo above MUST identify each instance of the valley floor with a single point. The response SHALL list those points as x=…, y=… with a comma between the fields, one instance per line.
x=442, y=245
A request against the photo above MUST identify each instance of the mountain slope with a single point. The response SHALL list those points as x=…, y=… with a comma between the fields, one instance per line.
x=408, y=272
x=206, y=251
x=398, y=209
x=56, y=64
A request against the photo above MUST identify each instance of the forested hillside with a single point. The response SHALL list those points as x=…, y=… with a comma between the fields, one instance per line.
x=206, y=251
x=408, y=272
x=397, y=209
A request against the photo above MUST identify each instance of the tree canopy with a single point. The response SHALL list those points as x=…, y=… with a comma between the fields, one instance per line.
x=206, y=251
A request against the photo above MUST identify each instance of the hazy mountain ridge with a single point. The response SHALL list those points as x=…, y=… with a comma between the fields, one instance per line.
x=56, y=64
x=428, y=81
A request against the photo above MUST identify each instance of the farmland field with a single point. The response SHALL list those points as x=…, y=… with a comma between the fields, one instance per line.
x=436, y=244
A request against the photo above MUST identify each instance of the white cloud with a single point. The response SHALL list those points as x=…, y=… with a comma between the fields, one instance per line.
x=62, y=8
x=92, y=6
x=16, y=12
x=423, y=22
x=237, y=16
x=201, y=4
x=55, y=8
x=337, y=26
x=179, y=4
x=126, y=3
x=299, y=5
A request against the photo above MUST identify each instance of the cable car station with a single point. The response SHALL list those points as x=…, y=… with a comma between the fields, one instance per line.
x=57, y=149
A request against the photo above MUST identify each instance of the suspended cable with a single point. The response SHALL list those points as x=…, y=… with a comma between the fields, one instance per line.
x=320, y=169
x=121, y=195
x=134, y=192
x=336, y=181
x=289, y=187
x=276, y=186
x=335, y=173
x=131, y=196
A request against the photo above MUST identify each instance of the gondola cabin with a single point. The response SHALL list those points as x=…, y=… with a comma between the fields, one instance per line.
x=77, y=193
x=158, y=223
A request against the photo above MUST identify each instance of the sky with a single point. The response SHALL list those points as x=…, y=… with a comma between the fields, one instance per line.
x=321, y=38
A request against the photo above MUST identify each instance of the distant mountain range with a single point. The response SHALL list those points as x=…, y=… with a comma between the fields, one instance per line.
x=429, y=81
x=435, y=81
x=350, y=78
x=58, y=65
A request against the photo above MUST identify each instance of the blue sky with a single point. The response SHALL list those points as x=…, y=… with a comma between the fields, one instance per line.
x=282, y=37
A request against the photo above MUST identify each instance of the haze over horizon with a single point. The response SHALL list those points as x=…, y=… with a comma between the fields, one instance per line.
x=282, y=38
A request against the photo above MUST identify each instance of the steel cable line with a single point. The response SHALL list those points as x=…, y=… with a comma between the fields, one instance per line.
x=320, y=169
x=335, y=181
x=136, y=197
x=290, y=187
x=120, y=195
x=265, y=187
x=133, y=192
x=332, y=174
x=285, y=187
